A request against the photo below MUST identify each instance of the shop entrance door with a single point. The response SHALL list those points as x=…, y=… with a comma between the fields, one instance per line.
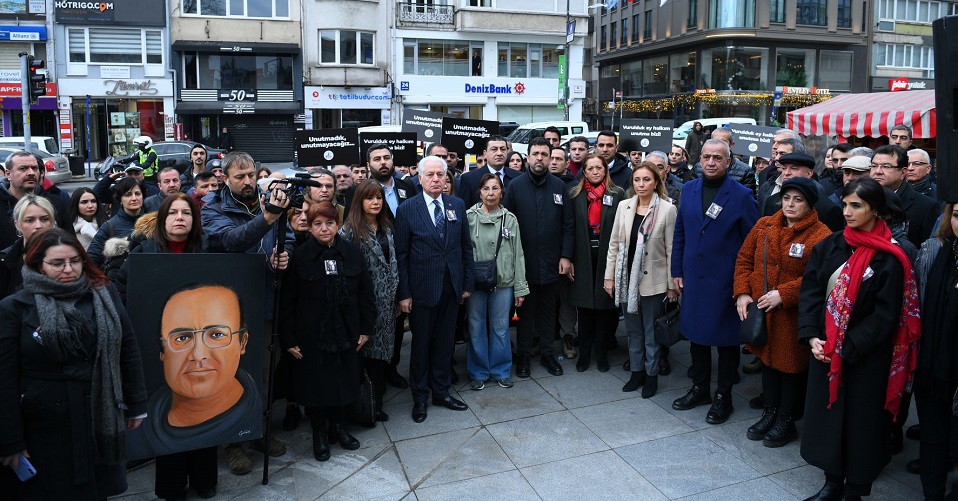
x=96, y=143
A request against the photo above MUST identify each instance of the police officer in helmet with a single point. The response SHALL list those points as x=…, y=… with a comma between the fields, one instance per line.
x=145, y=157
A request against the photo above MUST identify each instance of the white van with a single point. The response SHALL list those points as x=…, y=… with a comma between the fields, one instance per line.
x=682, y=132
x=46, y=144
x=520, y=137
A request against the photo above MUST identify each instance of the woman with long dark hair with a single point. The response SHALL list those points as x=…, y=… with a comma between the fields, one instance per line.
x=71, y=382
x=858, y=312
x=128, y=199
x=368, y=226
x=324, y=341
x=594, y=203
x=516, y=161
x=87, y=214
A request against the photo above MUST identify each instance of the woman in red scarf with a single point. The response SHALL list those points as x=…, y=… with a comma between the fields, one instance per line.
x=594, y=202
x=858, y=312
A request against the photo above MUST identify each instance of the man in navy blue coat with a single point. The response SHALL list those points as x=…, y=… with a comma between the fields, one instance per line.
x=715, y=215
x=496, y=151
x=434, y=254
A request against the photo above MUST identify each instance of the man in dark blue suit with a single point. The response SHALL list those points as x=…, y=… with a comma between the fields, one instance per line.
x=434, y=253
x=496, y=151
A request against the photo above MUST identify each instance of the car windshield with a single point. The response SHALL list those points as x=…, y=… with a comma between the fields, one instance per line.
x=51, y=145
x=520, y=136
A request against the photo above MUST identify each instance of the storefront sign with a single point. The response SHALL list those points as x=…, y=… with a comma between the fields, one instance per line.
x=517, y=88
x=805, y=91
x=236, y=95
x=238, y=108
x=752, y=140
x=701, y=91
x=534, y=91
x=426, y=124
x=467, y=136
x=66, y=127
x=10, y=76
x=12, y=89
x=347, y=98
x=402, y=144
x=23, y=33
x=115, y=12
x=115, y=71
x=327, y=147
x=902, y=83
x=645, y=135
x=130, y=87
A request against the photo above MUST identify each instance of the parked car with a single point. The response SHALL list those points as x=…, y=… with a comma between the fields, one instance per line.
x=521, y=137
x=46, y=144
x=56, y=168
x=177, y=153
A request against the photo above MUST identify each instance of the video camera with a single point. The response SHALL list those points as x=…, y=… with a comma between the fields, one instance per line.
x=293, y=187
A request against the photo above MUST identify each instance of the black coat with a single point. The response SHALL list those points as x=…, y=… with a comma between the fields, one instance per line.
x=8, y=232
x=45, y=406
x=119, y=226
x=323, y=377
x=587, y=291
x=620, y=170
x=922, y=213
x=849, y=438
x=544, y=212
x=11, y=262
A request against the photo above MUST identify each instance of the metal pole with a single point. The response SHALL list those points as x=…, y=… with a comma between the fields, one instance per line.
x=565, y=90
x=25, y=97
x=88, y=167
x=613, y=109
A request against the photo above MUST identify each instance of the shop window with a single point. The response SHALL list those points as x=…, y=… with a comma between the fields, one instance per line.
x=835, y=70
x=734, y=68
x=795, y=67
x=442, y=58
x=346, y=47
x=812, y=12
x=237, y=8
x=731, y=14
x=114, y=46
x=632, y=79
x=777, y=14
x=682, y=72
x=655, y=76
x=238, y=71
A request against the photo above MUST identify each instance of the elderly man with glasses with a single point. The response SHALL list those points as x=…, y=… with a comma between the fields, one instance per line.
x=918, y=173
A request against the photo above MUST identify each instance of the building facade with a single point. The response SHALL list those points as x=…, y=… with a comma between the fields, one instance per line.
x=238, y=67
x=685, y=59
x=488, y=59
x=903, y=56
x=24, y=27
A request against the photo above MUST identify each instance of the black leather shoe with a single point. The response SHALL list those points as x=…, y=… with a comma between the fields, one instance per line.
x=758, y=430
x=206, y=493
x=831, y=491
x=382, y=417
x=393, y=378
x=637, y=379
x=450, y=403
x=552, y=365
x=913, y=432
x=522, y=367
x=419, y=412
x=689, y=372
x=914, y=467
x=721, y=409
x=665, y=367
x=602, y=365
x=320, y=445
x=782, y=433
x=650, y=387
x=694, y=398
x=338, y=434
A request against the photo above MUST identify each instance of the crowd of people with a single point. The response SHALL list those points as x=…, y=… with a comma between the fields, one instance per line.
x=853, y=267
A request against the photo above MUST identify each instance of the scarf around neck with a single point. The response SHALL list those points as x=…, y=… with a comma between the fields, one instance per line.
x=841, y=303
x=63, y=328
x=626, y=284
x=594, y=197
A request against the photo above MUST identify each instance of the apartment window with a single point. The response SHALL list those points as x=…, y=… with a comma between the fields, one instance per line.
x=777, y=14
x=844, y=13
x=624, y=41
x=693, y=19
x=524, y=60
x=346, y=47
x=920, y=11
x=115, y=46
x=812, y=12
x=731, y=14
x=648, y=25
x=603, y=44
x=906, y=56
x=635, y=28
x=237, y=71
x=237, y=8
x=612, y=37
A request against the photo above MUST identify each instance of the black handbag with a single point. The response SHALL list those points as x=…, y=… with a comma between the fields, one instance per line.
x=667, y=324
x=753, y=330
x=486, y=274
x=363, y=410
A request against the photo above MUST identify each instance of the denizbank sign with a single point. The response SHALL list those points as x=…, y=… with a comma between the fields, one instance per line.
x=517, y=88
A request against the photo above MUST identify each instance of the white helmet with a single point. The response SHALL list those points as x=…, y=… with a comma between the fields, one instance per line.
x=145, y=141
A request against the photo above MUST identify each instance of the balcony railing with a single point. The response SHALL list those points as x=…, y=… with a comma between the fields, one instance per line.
x=423, y=13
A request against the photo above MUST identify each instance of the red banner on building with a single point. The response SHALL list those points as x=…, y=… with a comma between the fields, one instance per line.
x=12, y=89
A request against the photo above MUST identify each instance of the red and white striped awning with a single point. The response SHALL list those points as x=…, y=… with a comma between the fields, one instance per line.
x=871, y=114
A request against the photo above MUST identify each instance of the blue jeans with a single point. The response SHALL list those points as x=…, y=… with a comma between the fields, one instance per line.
x=490, y=354
x=643, y=350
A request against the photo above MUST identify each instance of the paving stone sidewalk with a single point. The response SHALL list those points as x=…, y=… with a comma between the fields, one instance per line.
x=572, y=437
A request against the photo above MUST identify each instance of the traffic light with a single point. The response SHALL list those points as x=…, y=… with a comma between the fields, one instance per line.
x=37, y=83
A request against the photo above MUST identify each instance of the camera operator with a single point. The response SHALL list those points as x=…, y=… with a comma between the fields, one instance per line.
x=240, y=218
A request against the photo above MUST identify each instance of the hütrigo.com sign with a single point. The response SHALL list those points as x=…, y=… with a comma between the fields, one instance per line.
x=100, y=6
